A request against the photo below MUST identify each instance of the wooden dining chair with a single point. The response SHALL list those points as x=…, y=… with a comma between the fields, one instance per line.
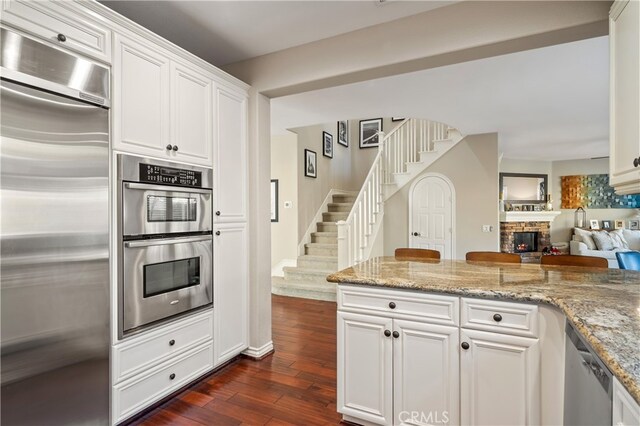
x=492, y=256
x=572, y=260
x=416, y=254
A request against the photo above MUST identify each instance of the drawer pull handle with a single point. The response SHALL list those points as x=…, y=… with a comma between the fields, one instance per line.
x=396, y=334
x=61, y=38
x=172, y=342
x=169, y=147
x=172, y=376
x=392, y=305
x=217, y=232
x=465, y=345
x=175, y=147
x=636, y=162
x=218, y=213
x=497, y=317
x=387, y=333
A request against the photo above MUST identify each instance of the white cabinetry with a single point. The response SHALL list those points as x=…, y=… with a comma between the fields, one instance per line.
x=230, y=291
x=392, y=370
x=626, y=411
x=58, y=24
x=154, y=364
x=230, y=155
x=162, y=107
x=624, y=39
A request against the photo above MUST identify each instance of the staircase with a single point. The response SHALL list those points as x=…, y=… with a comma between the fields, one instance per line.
x=320, y=258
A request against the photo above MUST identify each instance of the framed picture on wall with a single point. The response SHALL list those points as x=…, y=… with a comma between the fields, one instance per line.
x=274, y=200
x=634, y=224
x=369, y=137
x=619, y=224
x=327, y=144
x=310, y=164
x=397, y=118
x=606, y=224
x=343, y=133
x=594, y=224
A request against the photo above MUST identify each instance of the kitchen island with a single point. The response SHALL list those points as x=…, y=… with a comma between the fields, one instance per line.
x=602, y=304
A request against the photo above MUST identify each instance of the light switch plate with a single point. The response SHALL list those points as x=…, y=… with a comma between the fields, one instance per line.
x=487, y=228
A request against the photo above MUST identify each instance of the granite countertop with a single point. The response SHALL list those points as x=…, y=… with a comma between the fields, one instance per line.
x=603, y=304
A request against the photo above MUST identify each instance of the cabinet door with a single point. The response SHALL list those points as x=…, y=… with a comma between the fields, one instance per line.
x=425, y=374
x=230, y=156
x=365, y=368
x=625, y=97
x=191, y=114
x=626, y=411
x=499, y=379
x=141, y=98
x=230, y=292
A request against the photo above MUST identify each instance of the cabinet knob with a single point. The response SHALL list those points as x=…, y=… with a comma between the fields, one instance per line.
x=497, y=317
x=175, y=148
x=172, y=376
x=217, y=232
x=172, y=342
x=169, y=147
x=218, y=213
x=396, y=334
x=387, y=333
x=636, y=162
x=415, y=234
x=61, y=38
x=465, y=345
x=392, y=305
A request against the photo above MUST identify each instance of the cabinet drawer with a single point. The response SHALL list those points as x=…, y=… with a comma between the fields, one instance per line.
x=143, y=390
x=144, y=351
x=48, y=19
x=399, y=304
x=501, y=317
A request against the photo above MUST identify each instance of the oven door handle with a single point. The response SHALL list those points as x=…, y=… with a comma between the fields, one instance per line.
x=165, y=188
x=166, y=241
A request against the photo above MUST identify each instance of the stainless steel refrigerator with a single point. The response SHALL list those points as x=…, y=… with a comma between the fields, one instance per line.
x=54, y=266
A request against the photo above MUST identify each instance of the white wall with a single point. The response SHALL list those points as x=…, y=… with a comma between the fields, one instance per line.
x=472, y=166
x=284, y=165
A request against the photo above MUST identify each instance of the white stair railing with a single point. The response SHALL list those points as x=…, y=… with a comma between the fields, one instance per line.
x=404, y=144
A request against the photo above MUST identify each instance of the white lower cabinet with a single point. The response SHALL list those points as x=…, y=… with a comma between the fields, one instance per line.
x=626, y=411
x=499, y=379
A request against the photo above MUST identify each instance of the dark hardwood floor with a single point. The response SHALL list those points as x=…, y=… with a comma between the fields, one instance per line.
x=294, y=386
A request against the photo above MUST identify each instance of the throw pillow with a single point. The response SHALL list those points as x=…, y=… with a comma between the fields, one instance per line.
x=618, y=237
x=586, y=238
x=632, y=237
x=604, y=241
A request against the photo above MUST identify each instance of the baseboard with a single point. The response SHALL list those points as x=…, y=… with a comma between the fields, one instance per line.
x=259, y=353
x=277, y=271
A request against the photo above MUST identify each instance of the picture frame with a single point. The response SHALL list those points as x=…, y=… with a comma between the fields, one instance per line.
x=594, y=224
x=619, y=224
x=606, y=224
x=274, y=200
x=397, y=118
x=310, y=164
x=369, y=137
x=327, y=144
x=343, y=133
x=634, y=224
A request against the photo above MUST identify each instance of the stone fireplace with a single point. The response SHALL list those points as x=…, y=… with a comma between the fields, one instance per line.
x=525, y=238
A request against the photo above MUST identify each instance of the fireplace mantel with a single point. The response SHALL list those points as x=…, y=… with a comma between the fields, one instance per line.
x=541, y=216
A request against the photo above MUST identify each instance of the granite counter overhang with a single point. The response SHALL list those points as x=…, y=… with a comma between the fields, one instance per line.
x=603, y=304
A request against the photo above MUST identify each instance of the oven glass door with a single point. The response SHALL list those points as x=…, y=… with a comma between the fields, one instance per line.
x=158, y=209
x=165, y=277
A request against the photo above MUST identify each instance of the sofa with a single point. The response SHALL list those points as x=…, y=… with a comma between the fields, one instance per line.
x=584, y=243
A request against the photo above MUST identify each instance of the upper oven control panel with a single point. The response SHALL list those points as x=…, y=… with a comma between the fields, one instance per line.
x=170, y=176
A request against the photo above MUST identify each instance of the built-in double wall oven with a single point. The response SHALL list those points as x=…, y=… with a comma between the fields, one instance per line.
x=165, y=241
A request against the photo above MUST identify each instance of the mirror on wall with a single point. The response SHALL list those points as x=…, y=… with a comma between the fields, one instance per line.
x=522, y=188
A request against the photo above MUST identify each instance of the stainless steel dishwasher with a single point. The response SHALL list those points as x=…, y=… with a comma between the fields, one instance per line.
x=587, y=385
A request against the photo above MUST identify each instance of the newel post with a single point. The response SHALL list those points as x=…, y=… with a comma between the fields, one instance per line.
x=343, y=245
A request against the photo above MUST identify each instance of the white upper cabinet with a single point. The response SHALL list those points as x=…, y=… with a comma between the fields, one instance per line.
x=58, y=24
x=162, y=108
x=624, y=38
x=230, y=155
x=192, y=113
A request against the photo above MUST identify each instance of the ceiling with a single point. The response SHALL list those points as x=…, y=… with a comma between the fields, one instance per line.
x=223, y=32
x=546, y=104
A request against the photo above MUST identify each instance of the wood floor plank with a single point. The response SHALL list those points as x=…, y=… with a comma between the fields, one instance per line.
x=294, y=386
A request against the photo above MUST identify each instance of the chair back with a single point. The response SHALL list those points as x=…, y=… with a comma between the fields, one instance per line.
x=492, y=256
x=573, y=260
x=629, y=260
x=416, y=254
